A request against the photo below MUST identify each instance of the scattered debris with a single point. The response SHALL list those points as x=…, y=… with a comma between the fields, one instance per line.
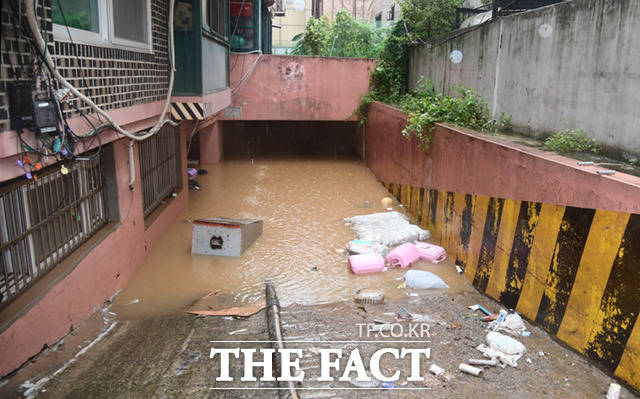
x=528, y=360
x=314, y=269
x=478, y=306
x=386, y=202
x=436, y=370
x=367, y=296
x=365, y=204
x=465, y=368
x=238, y=331
x=412, y=294
x=585, y=162
x=403, y=255
x=367, y=263
x=388, y=385
x=456, y=325
x=541, y=353
x=403, y=315
x=243, y=311
x=420, y=279
x=509, y=323
x=483, y=362
x=202, y=172
x=386, y=228
x=614, y=391
x=340, y=250
x=526, y=333
x=502, y=347
x=372, y=383
x=132, y=302
x=431, y=253
x=459, y=269
x=606, y=172
x=359, y=247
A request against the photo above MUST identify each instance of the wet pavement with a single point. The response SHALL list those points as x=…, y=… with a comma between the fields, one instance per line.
x=168, y=357
x=149, y=348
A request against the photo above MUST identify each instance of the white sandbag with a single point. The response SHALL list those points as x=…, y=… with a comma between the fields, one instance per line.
x=386, y=228
x=420, y=279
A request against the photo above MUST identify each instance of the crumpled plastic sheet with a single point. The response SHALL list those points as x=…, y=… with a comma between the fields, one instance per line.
x=386, y=228
x=512, y=324
x=504, y=348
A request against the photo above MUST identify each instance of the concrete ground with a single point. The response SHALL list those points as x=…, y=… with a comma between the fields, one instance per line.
x=168, y=357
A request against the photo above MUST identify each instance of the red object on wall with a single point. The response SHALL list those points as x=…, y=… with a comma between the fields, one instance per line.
x=245, y=10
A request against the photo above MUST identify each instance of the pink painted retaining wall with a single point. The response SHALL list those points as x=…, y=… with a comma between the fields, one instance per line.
x=106, y=269
x=463, y=161
x=296, y=88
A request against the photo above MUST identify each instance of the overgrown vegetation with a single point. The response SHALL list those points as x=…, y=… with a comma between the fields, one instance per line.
x=425, y=106
x=423, y=19
x=571, y=140
x=345, y=37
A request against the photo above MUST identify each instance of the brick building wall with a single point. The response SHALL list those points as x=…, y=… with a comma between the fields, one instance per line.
x=112, y=77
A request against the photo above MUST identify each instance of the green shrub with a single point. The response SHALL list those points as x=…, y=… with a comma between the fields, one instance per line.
x=571, y=140
x=464, y=108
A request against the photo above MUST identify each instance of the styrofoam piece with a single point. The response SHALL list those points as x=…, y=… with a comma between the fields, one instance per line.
x=224, y=236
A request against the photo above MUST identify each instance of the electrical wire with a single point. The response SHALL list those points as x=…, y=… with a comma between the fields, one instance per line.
x=48, y=61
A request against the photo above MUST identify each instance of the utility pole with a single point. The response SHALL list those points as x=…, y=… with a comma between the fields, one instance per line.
x=355, y=8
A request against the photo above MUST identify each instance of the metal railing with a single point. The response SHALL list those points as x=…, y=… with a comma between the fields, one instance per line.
x=159, y=162
x=43, y=222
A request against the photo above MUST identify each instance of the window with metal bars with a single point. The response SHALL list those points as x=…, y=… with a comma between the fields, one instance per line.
x=43, y=221
x=159, y=167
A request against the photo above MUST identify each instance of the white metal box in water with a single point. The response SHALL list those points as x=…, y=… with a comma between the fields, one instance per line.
x=224, y=236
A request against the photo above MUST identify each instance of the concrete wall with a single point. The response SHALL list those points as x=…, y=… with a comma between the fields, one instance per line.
x=296, y=88
x=50, y=308
x=557, y=243
x=586, y=74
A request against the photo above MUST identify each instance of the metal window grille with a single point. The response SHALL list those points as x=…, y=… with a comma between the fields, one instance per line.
x=279, y=8
x=158, y=167
x=44, y=221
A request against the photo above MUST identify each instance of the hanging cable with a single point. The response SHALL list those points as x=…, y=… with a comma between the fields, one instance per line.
x=33, y=25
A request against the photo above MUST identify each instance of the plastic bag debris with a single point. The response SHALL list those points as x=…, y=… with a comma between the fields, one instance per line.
x=502, y=347
x=403, y=255
x=614, y=391
x=420, y=279
x=386, y=228
x=509, y=323
x=373, y=383
x=431, y=253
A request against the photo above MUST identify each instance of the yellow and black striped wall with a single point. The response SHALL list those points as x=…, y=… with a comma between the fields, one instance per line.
x=573, y=271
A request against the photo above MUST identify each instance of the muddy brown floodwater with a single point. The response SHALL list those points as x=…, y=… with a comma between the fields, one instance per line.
x=302, y=204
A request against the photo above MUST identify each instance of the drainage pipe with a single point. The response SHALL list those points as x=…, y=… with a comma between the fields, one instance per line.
x=275, y=336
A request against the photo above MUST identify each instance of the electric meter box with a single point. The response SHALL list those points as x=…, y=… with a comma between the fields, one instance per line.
x=224, y=236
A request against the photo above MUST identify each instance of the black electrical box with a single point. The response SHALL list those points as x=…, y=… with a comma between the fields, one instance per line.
x=20, y=103
x=32, y=109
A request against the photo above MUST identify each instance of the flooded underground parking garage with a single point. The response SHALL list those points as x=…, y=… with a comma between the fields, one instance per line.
x=185, y=214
